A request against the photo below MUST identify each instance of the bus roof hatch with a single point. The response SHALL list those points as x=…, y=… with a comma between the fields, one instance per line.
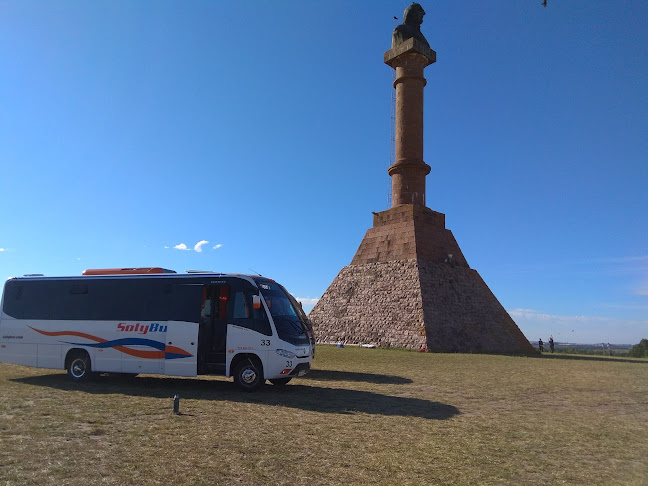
x=126, y=271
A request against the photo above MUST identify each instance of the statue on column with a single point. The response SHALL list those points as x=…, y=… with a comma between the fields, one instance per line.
x=411, y=26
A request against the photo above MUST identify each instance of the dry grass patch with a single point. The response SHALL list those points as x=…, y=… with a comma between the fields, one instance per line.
x=363, y=416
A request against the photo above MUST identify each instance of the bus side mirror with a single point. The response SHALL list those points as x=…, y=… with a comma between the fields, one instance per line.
x=256, y=302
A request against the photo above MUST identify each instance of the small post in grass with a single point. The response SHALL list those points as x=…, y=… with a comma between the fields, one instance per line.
x=176, y=404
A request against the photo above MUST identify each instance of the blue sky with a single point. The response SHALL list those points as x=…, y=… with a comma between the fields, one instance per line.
x=254, y=136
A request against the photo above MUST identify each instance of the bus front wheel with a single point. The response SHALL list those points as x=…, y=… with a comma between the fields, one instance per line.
x=248, y=375
x=79, y=366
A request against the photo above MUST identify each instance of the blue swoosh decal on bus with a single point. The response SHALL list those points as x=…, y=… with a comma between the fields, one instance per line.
x=124, y=342
x=160, y=351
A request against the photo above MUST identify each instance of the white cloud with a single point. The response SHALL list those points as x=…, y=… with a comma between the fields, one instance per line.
x=198, y=246
x=307, y=300
x=307, y=303
x=2, y=249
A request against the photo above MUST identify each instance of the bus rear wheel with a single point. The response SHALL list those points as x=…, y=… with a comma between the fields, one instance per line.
x=79, y=366
x=248, y=374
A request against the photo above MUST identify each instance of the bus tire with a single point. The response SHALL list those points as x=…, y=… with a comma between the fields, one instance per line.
x=248, y=374
x=280, y=381
x=79, y=367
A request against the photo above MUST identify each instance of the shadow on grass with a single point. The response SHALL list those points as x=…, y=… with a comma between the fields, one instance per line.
x=303, y=397
x=607, y=359
x=353, y=376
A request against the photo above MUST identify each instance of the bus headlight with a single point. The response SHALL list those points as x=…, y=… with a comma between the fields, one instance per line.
x=286, y=354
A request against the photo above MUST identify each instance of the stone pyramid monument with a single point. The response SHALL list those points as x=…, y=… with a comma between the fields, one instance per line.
x=409, y=285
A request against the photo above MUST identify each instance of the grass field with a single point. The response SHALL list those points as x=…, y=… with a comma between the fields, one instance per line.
x=363, y=416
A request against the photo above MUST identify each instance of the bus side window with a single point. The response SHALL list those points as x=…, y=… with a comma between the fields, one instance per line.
x=243, y=316
x=223, y=298
x=214, y=303
x=206, y=310
x=78, y=289
x=241, y=309
x=19, y=291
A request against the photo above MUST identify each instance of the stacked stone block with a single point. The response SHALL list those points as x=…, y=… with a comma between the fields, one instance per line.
x=374, y=303
x=402, y=290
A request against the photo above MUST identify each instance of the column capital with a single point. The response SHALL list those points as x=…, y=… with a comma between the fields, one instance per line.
x=410, y=46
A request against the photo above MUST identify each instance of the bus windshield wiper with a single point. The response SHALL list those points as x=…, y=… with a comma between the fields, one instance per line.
x=295, y=324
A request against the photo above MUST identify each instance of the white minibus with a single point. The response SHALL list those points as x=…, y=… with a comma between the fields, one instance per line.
x=153, y=320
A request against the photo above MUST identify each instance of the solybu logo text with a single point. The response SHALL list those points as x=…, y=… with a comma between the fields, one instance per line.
x=141, y=328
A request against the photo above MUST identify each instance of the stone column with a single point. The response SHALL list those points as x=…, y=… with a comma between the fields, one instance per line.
x=408, y=172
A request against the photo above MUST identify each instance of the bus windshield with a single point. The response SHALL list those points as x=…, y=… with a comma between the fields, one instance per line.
x=291, y=327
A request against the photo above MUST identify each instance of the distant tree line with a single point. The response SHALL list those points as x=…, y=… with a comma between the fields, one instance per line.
x=639, y=350
x=603, y=349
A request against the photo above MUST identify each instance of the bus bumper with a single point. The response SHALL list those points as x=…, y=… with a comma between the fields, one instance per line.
x=300, y=370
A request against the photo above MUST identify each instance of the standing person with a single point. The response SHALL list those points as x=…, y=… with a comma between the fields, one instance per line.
x=551, y=343
x=541, y=345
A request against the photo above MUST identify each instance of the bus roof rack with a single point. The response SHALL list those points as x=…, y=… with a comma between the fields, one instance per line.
x=126, y=271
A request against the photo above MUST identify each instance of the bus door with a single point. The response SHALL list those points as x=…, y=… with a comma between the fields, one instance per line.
x=212, y=334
